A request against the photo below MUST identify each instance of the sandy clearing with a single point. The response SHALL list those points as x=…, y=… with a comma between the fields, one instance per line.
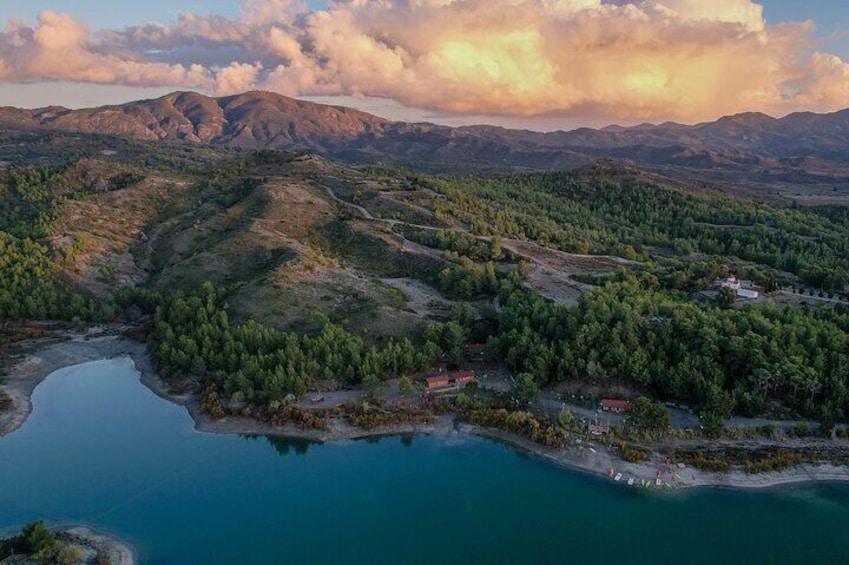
x=423, y=300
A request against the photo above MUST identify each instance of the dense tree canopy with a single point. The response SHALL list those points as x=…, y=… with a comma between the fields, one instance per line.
x=194, y=338
x=643, y=330
x=606, y=211
x=719, y=360
x=32, y=283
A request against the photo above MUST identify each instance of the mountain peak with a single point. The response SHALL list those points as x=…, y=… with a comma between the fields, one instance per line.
x=747, y=118
x=263, y=119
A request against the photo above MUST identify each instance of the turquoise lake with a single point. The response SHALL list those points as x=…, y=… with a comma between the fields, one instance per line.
x=101, y=449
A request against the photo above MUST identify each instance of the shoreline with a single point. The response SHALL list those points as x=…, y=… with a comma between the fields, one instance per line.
x=116, y=550
x=586, y=457
x=94, y=542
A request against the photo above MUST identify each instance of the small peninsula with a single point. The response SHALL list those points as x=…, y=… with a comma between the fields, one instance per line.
x=36, y=544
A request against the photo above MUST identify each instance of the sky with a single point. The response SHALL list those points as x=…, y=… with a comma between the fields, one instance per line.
x=536, y=64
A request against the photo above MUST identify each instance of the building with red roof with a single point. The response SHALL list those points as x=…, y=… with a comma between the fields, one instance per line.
x=614, y=405
x=447, y=379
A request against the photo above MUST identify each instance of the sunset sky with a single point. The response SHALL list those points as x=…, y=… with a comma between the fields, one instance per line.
x=540, y=64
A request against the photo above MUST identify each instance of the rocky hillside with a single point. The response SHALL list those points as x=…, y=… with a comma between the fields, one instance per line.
x=255, y=119
x=266, y=120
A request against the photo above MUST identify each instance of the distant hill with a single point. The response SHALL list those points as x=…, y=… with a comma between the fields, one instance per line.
x=267, y=120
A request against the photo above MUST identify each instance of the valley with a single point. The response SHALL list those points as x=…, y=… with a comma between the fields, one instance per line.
x=431, y=281
x=262, y=277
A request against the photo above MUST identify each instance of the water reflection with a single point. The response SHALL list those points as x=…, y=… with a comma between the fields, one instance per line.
x=284, y=445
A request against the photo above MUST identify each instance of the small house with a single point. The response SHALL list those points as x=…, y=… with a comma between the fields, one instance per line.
x=437, y=381
x=614, y=405
x=457, y=378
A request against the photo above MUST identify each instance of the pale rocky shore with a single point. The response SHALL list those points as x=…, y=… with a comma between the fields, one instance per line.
x=594, y=458
x=116, y=550
x=25, y=375
x=598, y=460
x=91, y=545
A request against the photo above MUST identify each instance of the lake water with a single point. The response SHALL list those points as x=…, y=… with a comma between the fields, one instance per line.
x=102, y=450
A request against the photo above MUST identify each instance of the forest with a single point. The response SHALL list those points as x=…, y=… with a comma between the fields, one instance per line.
x=607, y=210
x=194, y=338
x=31, y=274
x=641, y=328
x=721, y=361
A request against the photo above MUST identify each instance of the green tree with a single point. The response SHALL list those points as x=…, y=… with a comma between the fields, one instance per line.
x=566, y=417
x=405, y=387
x=463, y=314
x=371, y=385
x=524, y=269
x=524, y=388
x=454, y=341
x=497, y=252
x=712, y=423
x=37, y=540
x=648, y=414
x=726, y=297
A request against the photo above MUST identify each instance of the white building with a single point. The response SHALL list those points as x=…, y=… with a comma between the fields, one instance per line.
x=747, y=293
x=731, y=282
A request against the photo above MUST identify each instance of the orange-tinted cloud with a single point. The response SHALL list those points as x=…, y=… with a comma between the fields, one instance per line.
x=686, y=60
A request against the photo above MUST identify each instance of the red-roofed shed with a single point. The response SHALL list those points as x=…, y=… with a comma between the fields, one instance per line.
x=613, y=405
x=436, y=381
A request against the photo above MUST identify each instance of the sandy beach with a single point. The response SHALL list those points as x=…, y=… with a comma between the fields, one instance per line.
x=589, y=457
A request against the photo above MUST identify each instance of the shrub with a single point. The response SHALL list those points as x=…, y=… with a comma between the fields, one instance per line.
x=37, y=539
x=210, y=402
x=774, y=461
x=69, y=554
x=368, y=416
x=301, y=417
x=708, y=463
x=518, y=422
x=634, y=455
x=801, y=429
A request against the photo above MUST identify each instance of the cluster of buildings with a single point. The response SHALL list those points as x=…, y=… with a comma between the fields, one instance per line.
x=475, y=352
x=746, y=290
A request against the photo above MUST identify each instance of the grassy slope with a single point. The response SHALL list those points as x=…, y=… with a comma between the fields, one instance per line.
x=272, y=232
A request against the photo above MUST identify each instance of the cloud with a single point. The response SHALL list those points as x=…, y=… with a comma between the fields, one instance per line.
x=59, y=47
x=686, y=60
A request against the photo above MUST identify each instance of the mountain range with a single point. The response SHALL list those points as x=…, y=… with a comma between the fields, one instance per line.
x=267, y=120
